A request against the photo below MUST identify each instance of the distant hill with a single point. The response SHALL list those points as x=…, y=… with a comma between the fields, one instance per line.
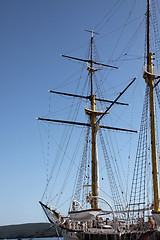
x=29, y=230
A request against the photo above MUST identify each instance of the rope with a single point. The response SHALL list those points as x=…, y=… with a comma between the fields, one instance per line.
x=114, y=10
x=122, y=30
x=63, y=139
x=138, y=189
x=114, y=189
x=82, y=170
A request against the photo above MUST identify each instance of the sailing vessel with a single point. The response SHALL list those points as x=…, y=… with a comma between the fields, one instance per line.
x=124, y=220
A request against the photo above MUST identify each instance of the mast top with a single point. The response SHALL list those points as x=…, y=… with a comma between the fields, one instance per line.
x=92, y=32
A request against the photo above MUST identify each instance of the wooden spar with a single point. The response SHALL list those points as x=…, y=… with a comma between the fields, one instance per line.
x=69, y=94
x=109, y=101
x=86, y=97
x=153, y=142
x=115, y=100
x=86, y=125
x=150, y=81
x=95, y=167
x=89, y=61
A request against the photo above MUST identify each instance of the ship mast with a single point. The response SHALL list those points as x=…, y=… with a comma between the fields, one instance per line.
x=94, y=123
x=95, y=169
x=94, y=128
x=149, y=78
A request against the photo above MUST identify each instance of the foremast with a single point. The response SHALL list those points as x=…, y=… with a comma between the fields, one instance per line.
x=94, y=123
x=149, y=78
x=95, y=168
x=94, y=129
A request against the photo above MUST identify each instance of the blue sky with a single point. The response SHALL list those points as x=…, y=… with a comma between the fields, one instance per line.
x=33, y=35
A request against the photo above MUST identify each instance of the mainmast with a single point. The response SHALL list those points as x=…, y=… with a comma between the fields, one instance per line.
x=92, y=113
x=94, y=123
x=149, y=78
x=95, y=169
x=94, y=128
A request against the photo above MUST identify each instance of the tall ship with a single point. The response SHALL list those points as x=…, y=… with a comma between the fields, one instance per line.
x=107, y=210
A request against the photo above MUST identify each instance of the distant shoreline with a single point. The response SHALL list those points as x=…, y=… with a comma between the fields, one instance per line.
x=29, y=230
